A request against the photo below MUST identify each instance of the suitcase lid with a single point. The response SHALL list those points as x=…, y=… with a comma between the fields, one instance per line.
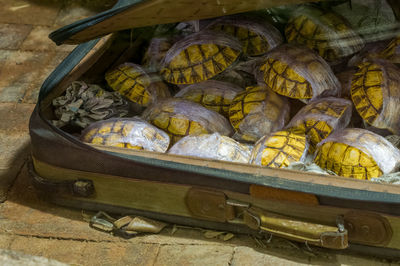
x=139, y=13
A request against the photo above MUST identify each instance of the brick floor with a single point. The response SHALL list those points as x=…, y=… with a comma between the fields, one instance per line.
x=35, y=227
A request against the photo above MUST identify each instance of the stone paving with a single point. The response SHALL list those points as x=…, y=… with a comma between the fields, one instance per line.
x=34, y=227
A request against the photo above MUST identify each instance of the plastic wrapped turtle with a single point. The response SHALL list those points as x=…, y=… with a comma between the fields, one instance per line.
x=180, y=118
x=392, y=51
x=357, y=153
x=326, y=32
x=299, y=73
x=155, y=53
x=376, y=95
x=131, y=133
x=212, y=94
x=199, y=57
x=256, y=112
x=256, y=36
x=212, y=146
x=132, y=82
x=320, y=118
x=279, y=149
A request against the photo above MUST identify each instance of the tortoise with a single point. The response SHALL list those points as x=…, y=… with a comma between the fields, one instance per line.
x=212, y=94
x=199, y=57
x=326, y=32
x=299, y=73
x=376, y=95
x=279, y=149
x=212, y=146
x=357, y=153
x=131, y=133
x=134, y=83
x=256, y=36
x=155, y=53
x=180, y=117
x=321, y=117
x=256, y=112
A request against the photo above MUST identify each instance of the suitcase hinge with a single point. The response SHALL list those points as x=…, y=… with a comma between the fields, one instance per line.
x=216, y=206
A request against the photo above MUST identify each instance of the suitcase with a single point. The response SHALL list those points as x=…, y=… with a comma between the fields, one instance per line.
x=331, y=212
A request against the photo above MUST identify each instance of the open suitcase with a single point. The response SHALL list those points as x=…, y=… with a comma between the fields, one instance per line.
x=331, y=212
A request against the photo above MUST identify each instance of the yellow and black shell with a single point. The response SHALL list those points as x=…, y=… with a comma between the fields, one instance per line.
x=199, y=57
x=321, y=117
x=180, y=118
x=376, y=95
x=212, y=146
x=155, y=53
x=299, y=73
x=279, y=149
x=256, y=112
x=326, y=32
x=357, y=153
x=392, y=51
x=132, y=82
x=257, y=37
x=212, y=94
x=131, y=133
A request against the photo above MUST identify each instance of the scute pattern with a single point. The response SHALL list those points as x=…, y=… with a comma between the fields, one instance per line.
x=279, y=149
x=131, y=81
x=366, y=91
x=284, y=80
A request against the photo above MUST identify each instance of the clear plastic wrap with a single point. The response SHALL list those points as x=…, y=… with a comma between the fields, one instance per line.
x=155, y=53
x=280, y=149
x=240, y=73
x=257, y=36
x=392, y=51
x=257, y=112
x=376, y=95
x=298, y=72
x=386, y=156
x=212, y=94
x=133, y=133
x=212, y=146
x=345, y=77
x=326, y=32
x=134, y=83
x=199, y=56
x=179, y=118
x=321, y=117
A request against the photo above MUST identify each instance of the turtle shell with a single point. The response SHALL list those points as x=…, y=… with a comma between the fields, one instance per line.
x=256, y=37
x=256, y=112
x=376, y=95
x=199, y=57
x=179, y=118
x=212, y=146
x=320, y=118
x=392, y=51
x=132, y=82
x=212, y=94
x=299, y=73
x=357, y=153
x=279, y=149
x=132, y=133
x=326, y=32
x=155, y=53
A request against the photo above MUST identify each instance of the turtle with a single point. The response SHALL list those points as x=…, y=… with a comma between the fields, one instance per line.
x=298, y=72
x=212, y=94
x=280, y=149
x=357, y=153
x=256, y=112
x=376, y=95
x=392, y=51
x=199, y=57
x=135, y=84
x=180, y=117
x=132, y=133
x=257, y=37
x=324, y=31
x=212, y=146
x=321, y=117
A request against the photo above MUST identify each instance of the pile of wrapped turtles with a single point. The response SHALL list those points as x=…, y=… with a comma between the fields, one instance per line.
x=236, y=88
